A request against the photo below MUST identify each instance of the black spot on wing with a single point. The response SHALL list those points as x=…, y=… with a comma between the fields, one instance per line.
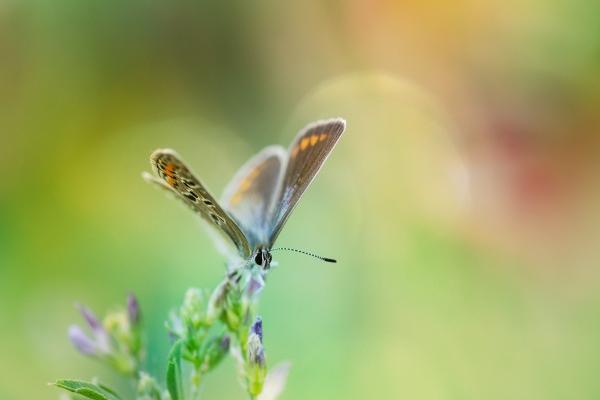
x=216, y=219
x=192, y=196
x=190, y=184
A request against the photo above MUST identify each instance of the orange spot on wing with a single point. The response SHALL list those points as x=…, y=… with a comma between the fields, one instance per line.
x=304, y=143
x=170, y=173
x=322, y=137
x=236, y=199
x=254, y=173
x=314, y=139
x=295, y=151
x=245, y=185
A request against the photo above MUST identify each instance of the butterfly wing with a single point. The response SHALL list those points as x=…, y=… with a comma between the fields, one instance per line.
x=306, y=156
x=249, y=196
x=173, y=175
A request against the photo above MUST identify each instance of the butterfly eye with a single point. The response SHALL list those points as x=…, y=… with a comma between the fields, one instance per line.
x=258, y=259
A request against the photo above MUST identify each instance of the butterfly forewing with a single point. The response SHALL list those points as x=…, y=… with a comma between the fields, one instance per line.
x=249, y=195
x=174, y=175
x=306, y=156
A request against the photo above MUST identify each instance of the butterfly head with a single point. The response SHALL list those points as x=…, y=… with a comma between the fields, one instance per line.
x=262, y=258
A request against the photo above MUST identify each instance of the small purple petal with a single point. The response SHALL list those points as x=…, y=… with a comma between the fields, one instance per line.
x=133, y=309
x=257, y=328
x=255, y=286
x=81, y=341
x=90, y=318
x=225, y=342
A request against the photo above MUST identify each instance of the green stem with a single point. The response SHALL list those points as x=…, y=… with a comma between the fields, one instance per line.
x=196, y=382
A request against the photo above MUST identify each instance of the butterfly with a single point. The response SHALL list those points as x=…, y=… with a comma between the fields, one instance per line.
x=261, y=196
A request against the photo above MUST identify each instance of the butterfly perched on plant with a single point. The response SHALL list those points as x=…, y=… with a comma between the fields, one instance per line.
x=261, y=196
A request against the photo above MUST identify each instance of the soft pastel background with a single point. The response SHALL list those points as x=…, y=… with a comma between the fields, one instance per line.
x=463, y=203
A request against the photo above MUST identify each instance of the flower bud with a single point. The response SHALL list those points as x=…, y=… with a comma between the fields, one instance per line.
x=117, y=325
x=214, y=350
x=81, y=341
x=90, y=318
x=175, y=326
x=101, y=337
x=125, y=343
x=257, y=328
x=217, y=300
x=256, y=368
x=148, y=388
x=255, y=285
x=192, y=310
x=256, y=351
x=114, y=340
x=133, y=309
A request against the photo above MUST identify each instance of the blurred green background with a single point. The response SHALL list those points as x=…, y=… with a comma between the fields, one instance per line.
x=463, y=203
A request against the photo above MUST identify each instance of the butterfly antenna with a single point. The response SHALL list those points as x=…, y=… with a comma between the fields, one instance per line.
x=326, y=259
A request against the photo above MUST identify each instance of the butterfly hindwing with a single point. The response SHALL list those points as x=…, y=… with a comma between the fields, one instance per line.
x=306, y=156
x=172, y=174
x=250, y=194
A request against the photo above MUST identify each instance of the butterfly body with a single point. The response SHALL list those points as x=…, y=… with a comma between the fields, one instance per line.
x=261, y=196
x=262, y=258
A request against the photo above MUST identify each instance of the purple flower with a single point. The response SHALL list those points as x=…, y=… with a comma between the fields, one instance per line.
x=133, y=309
x=81, y=341
x=90, y=318
x=255, y=285
x=256, y=351
x=101, y=338
x=257, y=328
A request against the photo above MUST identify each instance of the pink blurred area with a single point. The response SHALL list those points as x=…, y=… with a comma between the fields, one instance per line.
x=520, y=81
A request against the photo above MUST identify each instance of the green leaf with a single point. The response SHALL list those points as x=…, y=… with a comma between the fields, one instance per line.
x=174, y=378
x=109, y=390
x=87, y=389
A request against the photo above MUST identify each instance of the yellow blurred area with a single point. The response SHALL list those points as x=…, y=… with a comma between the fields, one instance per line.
x=463, y=202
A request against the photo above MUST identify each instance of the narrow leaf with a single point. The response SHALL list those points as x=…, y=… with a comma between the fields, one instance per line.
x=87, y=389
x=174, y=378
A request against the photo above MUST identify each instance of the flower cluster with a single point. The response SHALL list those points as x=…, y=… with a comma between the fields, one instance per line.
x=115, y=340
x=204, y=330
